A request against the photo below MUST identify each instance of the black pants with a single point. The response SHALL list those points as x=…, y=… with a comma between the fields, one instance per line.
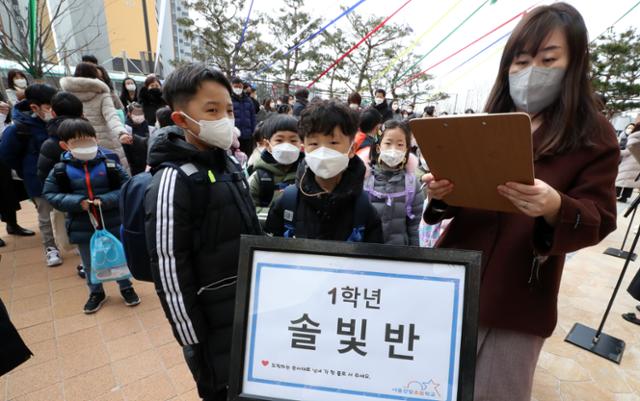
x=246, y=146
x=624, y=193
x=200, y=362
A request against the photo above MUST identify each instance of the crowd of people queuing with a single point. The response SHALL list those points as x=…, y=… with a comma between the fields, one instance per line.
x=329, y=169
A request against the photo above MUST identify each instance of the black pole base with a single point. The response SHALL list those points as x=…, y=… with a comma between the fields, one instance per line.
x=619, y=253
x=608, y=347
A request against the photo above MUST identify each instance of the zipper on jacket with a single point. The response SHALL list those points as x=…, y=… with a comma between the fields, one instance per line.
x=225, y=282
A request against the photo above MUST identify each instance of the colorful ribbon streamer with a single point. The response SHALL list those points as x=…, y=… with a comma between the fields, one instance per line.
x=310, y=37
x=507, y=22
x=618, y=20
x=408, y=70
x=241, y=41
x=417, y=41
x=367, y=36
x=33, y=27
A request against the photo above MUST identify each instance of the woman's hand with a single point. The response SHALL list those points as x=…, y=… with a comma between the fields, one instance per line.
x=537, y=200
x=436, y=189
x=126, y=139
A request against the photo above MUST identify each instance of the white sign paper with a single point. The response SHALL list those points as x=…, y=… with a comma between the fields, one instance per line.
x=346, y=329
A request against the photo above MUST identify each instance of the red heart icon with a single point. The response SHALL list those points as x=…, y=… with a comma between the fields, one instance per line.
x=265, y=363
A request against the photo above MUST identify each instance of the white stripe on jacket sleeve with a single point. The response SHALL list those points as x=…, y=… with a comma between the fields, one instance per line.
x=166, y=258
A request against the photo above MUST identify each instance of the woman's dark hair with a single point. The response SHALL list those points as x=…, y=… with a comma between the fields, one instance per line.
x=284, y=99
x=571, y=120
x=151, y=79
x=124, y=93
x=66, y=104
x=323, y=117
x=266, y=102
x=354, y=98
x=636, y=128
x=386, y=127
x=257, y=133
x=105, y=77
x=283, y=109
x=163, y=116
x=12, y=75
x=86, y=70
x=72, y=128
x=89, y=58
x=184, y=82
x=279, y=122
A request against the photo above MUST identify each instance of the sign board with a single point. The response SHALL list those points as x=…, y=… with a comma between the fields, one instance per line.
x=337, y=321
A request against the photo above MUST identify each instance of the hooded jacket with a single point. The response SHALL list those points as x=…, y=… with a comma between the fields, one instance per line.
x=282, y=177
x=244, y=114
x=384, y=110
x=397, y=227
x=100, y=111
x=193, y=239
x=328, y=216
x=85, y=178
x=20, y=146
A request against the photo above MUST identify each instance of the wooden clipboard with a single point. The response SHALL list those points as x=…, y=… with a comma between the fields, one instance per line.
x=477, y=153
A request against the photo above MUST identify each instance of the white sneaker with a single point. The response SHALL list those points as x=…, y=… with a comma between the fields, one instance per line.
x=53, y=257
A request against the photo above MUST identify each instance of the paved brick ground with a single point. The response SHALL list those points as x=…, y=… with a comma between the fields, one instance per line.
x=129, y=354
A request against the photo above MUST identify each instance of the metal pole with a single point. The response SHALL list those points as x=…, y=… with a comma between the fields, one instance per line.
x=146, y=31
x=125, y=62
x=626, y=235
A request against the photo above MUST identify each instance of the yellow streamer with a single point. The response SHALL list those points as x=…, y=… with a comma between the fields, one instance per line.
x=417, y=41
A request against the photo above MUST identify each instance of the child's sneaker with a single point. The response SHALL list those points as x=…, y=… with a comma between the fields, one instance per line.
x=53, y=256
x=130, y=297
x=95, y=302
x=81, y=272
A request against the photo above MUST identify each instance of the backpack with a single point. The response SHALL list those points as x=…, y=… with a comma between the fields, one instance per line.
x=268, y=187
x=290, y=205
x=409, y=193
x=132, y=211
x=62, y=178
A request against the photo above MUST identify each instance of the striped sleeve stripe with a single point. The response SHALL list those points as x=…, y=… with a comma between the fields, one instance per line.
x=166, y=258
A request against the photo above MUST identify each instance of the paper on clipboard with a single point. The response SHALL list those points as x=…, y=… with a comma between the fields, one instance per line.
x=477, y=153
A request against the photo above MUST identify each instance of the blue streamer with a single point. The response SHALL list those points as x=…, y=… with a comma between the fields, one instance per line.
x=506, y=35
x=244, y=30
x=297, y=46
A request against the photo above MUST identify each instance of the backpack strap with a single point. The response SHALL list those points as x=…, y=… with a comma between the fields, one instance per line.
x=410, y=191
x=267, y=187
x=289, y=202
x=62, y=179
x=361, y=213
x=112, y=174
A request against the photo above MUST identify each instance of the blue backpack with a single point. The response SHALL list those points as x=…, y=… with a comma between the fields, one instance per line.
x=361, y=212
x=132, y=215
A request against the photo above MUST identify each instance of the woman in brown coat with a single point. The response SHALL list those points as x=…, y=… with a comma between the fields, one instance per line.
x=545, y=72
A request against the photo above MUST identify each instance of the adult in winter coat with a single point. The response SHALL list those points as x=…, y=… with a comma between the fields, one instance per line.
x=128, y=92
x=244, y=114
x=302, y=100
x=629, y=168
x=545, y=72
x=138, y=127
x=381, y=104
x=150, y=97
x=99, y=109
x=16, y=84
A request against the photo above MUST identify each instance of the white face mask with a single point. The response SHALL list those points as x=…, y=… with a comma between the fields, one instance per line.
x=326, y=162
x=85, y=153
x=218, y=133
x=392, y=157
x=409, y=111
x=272, y=106
x=47, y=116
x=137, y=119
x=237, y=91
x=379, y=100
x=535, y=88
x=285, y=153
x=131, y=87
x=354, y=106
x=20, y=83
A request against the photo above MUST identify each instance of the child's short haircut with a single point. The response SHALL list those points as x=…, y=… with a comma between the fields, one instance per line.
x=163, y=116
x=40, y=94
x=323, y=117
x=75, y=128
x=279, y=122
x=184, y=82
x=66, y=104
x=369, y=119
x=132, y=106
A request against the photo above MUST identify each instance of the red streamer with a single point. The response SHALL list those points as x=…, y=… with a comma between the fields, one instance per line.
x=367, y=36
x=467, y=46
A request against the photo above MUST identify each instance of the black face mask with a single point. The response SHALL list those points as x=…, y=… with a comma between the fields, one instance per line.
x=155, y=92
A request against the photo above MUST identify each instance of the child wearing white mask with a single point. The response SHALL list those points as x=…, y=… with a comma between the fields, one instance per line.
x=276, y=168
x=328, y=201
x=394, y=192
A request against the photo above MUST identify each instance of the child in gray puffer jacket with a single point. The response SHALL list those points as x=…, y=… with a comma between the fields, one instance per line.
x=395, y=193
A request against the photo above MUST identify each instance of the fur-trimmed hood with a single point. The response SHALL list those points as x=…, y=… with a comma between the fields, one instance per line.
x=84, y=88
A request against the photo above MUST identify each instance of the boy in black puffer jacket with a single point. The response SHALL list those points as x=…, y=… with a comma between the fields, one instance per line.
x=89, y=180
x=330, y=199
x=195, y=268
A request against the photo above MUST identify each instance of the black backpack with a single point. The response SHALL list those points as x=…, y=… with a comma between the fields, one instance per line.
x=64, y=184
x=268, y=187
